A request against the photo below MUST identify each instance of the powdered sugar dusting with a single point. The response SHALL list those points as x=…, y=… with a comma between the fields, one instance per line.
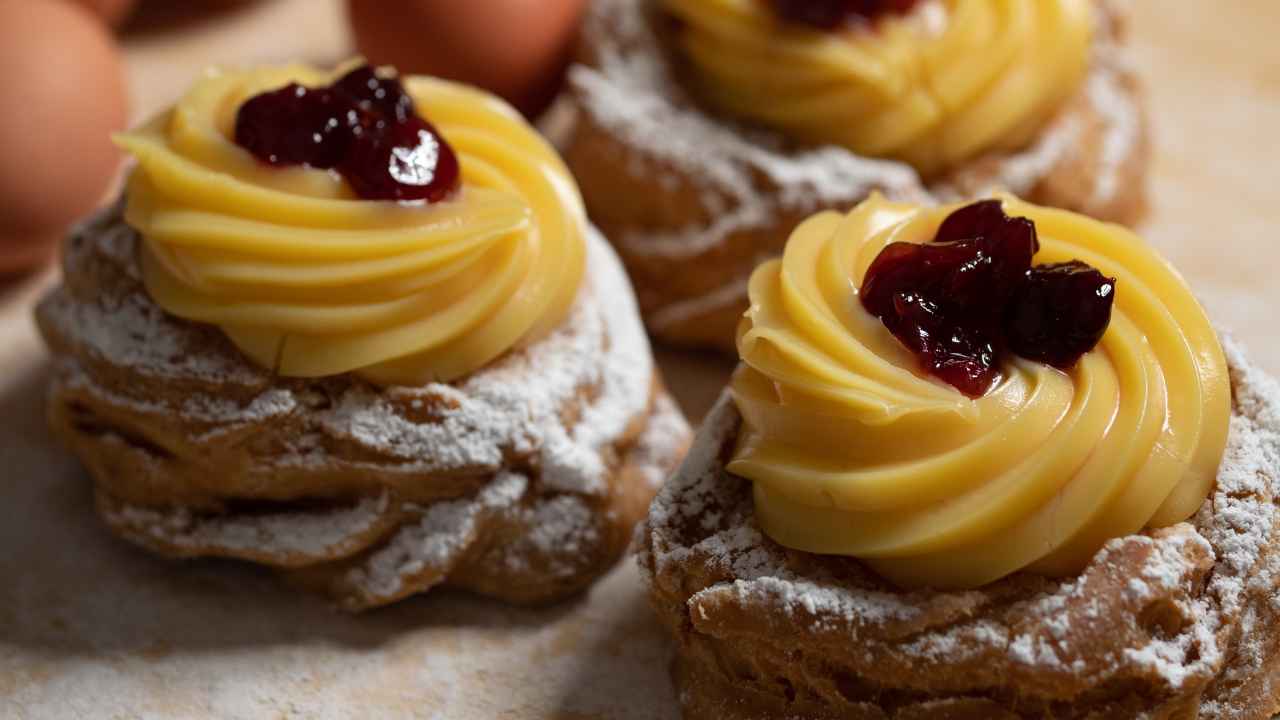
x=294, y=537
x=562, y=522
x=1122, y=130
x=434, y=543
x=222, y=415
x=665, y=437
x=559, y=527
x=816, y=601
x=135, y=333
x=113, y=239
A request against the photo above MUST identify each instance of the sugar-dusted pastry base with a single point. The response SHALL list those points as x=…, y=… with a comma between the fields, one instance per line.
x=1174, y=623
x=693, y=201
x=522, y=481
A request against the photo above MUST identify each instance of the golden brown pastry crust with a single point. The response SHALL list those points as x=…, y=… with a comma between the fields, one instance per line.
x=522, y=481
x=693, y=201
x=1174, y=623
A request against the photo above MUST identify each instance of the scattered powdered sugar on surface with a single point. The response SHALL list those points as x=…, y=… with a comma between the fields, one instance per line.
x=959, y=642
x=295, y=534
x=692, y=491
x=1234, y=532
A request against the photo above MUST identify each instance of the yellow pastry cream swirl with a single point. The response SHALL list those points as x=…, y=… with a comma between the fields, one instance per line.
x=309, y=280
x=853, y=451
x=943, y=84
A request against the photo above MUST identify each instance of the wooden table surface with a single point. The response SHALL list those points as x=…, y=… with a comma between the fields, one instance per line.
x=92, y=628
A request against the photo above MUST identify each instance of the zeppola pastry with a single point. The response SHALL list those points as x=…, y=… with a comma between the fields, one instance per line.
x=979, y=461
x=359, y=331
x=705, y=130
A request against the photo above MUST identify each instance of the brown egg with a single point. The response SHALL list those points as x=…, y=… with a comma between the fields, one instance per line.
x=113, y=11
x=62, y=88
x=515, y=48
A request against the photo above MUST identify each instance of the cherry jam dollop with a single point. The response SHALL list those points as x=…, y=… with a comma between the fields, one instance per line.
x=1059, y=312
x=832, y=14
x=971, y=295
x=364, y=125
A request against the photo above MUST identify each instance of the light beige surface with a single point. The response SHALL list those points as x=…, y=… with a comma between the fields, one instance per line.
x=92, y=628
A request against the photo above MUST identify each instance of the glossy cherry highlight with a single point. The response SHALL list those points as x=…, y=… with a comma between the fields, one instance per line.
x=404, y=162
x=1059, y=313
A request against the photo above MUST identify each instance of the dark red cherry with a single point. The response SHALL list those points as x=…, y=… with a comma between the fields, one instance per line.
x=831, y=14
x=943, y=299
x=1059, y=313
x=374, y=93
x=985, y=218
x=295, y=126
x=963, y=357
x=1005, y=248
x=936, y=298
x=408, y=161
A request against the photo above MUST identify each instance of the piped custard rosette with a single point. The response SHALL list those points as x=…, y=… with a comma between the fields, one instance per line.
x=979, y=461
x=734, y=120
x=359, y=329
x=931, y=83
x=310, y=280
x=853, y=450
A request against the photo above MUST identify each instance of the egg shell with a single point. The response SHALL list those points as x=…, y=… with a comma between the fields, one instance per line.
x=112, y=11
x=515, y=48
x=24, y=251
x=63, y=91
